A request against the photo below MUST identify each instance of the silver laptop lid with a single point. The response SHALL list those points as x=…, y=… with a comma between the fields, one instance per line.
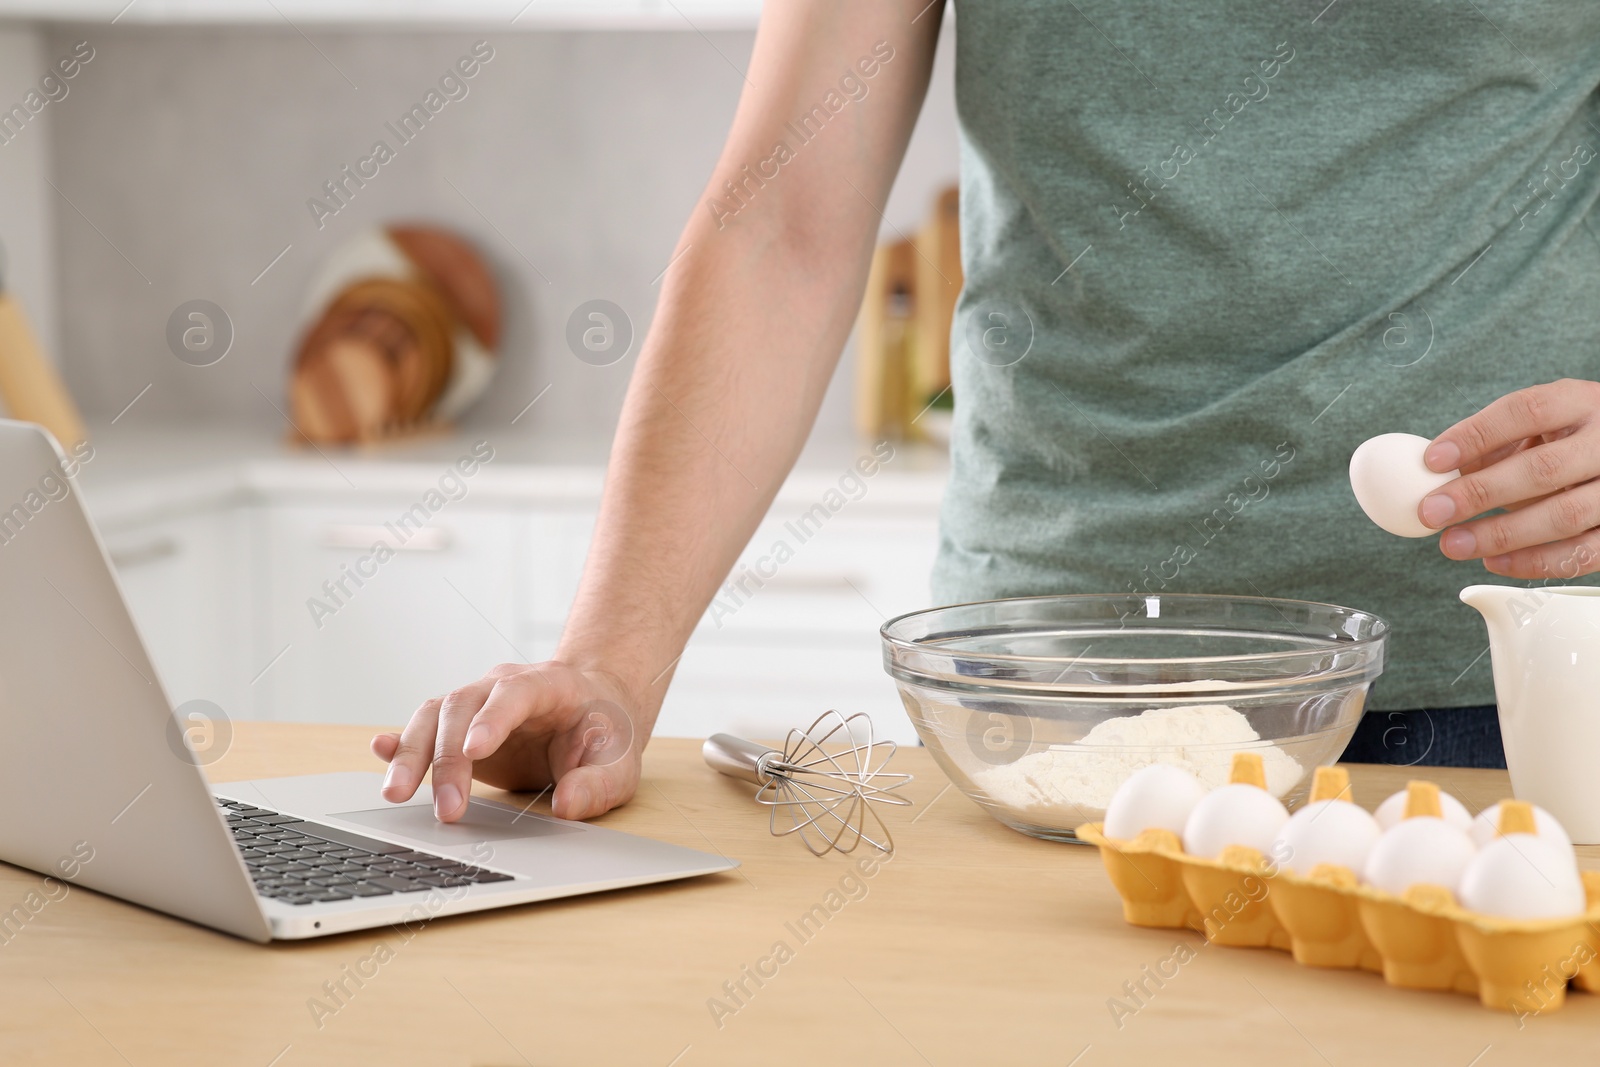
x=96, y=785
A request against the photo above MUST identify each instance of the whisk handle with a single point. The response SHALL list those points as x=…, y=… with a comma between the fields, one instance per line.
x=736, y=757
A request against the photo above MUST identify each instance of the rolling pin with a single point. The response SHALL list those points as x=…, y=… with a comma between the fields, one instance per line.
x=29, y=385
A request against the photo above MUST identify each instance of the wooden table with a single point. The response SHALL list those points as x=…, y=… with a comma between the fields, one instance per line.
x=975, y=945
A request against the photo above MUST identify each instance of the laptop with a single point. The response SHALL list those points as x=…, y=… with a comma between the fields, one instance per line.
x=98, y=788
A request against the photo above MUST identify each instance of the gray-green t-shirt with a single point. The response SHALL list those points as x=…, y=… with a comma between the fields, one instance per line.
x=1210, y=248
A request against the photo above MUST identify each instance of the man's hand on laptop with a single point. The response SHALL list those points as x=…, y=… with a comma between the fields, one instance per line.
x=520, y=727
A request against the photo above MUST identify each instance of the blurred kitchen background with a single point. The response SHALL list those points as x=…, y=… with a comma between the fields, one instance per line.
x=175, y=165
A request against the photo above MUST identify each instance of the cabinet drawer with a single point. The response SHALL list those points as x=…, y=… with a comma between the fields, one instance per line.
x=762, y=690
x=846, y=577
x=186, y=582
x=366, y=618
x=555, y=544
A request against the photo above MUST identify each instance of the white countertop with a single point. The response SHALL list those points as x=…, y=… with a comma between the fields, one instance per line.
x=140, y=472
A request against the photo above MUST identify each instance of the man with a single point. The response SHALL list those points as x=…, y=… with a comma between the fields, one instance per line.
x=1208, y=250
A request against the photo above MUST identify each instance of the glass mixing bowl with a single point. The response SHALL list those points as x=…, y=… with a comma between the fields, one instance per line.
x=1005, y=693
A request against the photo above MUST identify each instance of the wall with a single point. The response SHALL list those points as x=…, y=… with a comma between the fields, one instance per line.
x=27, y=203
x=573, y=162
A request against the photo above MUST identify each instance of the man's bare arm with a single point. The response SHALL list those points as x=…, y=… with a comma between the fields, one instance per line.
x=750, y=325
x=753, y=315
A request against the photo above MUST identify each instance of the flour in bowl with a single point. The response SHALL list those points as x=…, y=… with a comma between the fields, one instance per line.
x=1081, y=777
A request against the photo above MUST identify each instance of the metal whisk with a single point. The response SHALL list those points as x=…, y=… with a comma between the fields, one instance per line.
x=825, y=781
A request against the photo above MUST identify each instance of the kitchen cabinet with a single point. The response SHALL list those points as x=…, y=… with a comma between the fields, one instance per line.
x=763, y=689
x=267, y=597
x=551, y=555
x=351, y=634
x=186, y=579
x=804, y=633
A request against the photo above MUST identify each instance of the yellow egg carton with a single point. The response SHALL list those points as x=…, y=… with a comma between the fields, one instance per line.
x=1423, y=939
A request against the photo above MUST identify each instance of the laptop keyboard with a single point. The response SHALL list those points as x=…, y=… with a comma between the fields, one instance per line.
x=301, y=862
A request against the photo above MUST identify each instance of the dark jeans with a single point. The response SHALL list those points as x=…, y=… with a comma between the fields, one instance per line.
x=1430, y=737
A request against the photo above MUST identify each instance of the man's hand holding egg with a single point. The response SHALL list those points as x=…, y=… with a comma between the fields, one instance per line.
x=1534, y=453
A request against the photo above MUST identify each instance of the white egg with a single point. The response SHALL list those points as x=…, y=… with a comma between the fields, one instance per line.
x=1521, y=876
x=1389, y=479
x=1326, y=831
x=1233, y=814
x=1422, y=850
x=1487, y=826
x=1159, y=795
x=1392, y=810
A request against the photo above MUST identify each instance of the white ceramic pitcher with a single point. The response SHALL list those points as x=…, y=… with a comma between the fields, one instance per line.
x=1544, y=645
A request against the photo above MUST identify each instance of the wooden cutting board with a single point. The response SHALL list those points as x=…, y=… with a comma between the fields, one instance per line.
x=29, y=384
x=393, y=335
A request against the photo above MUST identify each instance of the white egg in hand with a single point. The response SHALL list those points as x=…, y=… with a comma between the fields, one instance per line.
x=1521, y=876
x=1486, y=827
x=1159, y=795
x=1422, y=850
x=1393, y=809
x=1234, y=814
x=1326, y=831
x=1389, y=479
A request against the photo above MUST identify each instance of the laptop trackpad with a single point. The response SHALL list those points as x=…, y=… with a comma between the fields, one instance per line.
x=482, y=822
